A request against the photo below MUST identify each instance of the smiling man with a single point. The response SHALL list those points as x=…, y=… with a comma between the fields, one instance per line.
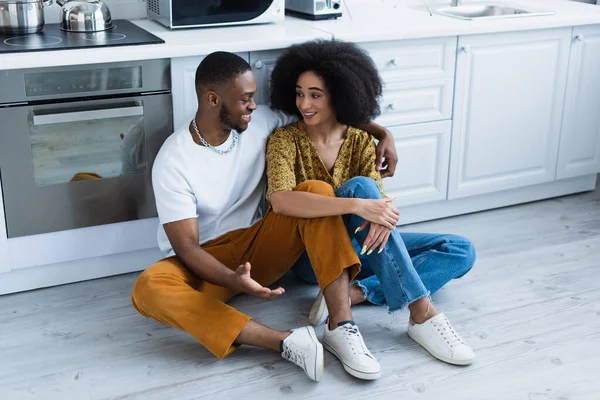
x=209, y=180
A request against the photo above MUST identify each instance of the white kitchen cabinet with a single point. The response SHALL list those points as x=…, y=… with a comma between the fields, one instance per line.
x=422, y=171
x=579, y=151
x=418, y=78
x=262, y=63
x=509, y=97
x=183, y=77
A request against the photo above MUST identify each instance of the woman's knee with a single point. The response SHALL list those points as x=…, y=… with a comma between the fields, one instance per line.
x=464, y=248
x=361, y=187
x=316, y=187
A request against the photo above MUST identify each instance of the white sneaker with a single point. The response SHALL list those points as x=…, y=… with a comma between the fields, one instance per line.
x=318, y=312
x=304, y=349
x=438, y=337
x=346, y=343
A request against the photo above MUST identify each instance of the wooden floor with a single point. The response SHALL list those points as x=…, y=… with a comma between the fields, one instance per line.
x=530, y=309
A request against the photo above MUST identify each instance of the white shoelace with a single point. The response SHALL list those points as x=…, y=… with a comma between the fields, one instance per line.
x=354, y=339
x=448, y=332
x=295, y=355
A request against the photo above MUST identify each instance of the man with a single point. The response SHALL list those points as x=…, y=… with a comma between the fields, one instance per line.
x=208, y=181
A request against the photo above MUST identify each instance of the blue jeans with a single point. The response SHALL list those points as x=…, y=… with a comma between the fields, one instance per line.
x=411, y=266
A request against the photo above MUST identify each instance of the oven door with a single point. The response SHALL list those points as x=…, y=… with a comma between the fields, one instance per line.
x=78, y=164
x=210, y=12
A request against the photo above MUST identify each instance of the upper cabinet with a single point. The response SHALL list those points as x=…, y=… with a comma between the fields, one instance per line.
x=508, y=104
x=580, y=137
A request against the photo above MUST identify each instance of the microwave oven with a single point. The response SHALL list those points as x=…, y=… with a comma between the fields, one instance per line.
x=176, y=14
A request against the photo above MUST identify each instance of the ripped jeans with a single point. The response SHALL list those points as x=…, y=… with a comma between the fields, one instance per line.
x=411, y=266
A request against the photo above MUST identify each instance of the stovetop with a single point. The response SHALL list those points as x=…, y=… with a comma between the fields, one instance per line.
x=124, y=33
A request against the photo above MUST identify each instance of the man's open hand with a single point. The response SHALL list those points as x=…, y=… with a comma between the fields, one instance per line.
x=244, y=283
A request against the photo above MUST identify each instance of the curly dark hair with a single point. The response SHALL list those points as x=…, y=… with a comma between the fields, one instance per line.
x=349, y=74
x=218, y=67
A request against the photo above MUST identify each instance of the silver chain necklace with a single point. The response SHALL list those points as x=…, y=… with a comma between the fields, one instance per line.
x=206, y=144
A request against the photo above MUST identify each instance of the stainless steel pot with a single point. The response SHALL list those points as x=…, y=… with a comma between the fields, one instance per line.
x=22, y=16
x=84, y=16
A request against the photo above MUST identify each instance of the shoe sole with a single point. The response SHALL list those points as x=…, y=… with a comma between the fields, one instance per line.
x=319, y=363
x=440, y=357
x=367, y=376
x=318, y=312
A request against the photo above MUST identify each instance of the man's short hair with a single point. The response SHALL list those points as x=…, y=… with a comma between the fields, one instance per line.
x=218, y=68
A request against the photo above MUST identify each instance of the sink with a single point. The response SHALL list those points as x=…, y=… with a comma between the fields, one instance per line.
x=488, y=11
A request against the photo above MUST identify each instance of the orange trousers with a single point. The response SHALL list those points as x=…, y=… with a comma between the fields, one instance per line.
x=170, y=293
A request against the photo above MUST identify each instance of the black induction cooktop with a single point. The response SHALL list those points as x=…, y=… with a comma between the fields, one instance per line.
x=124, y=33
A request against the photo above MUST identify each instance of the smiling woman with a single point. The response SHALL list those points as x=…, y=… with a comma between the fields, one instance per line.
x=334, y=87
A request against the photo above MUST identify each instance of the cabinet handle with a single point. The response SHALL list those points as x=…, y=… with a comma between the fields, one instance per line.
x=392, y=106
x=258, y=65
x=394, y=61
x=466, y=49
x=579, y=37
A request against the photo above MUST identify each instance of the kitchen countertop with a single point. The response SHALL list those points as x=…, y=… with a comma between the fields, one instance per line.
x=363, y=21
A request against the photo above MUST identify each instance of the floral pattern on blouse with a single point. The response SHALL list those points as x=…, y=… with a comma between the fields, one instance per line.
x=293, y=159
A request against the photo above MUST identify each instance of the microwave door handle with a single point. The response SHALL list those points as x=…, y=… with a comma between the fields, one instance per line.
x=88, y=115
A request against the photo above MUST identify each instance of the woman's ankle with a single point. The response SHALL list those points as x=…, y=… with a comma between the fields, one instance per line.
x=357, y=295
x=422, y=310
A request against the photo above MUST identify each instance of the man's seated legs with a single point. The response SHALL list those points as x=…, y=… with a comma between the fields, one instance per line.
x=172, y=294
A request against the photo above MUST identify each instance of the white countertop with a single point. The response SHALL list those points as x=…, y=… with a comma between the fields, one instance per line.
x=363, y=21
x=393, y=20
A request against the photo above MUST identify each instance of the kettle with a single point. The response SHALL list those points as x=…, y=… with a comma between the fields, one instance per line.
x=84, y=16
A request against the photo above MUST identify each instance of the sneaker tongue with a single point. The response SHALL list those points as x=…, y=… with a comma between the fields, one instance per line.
x=346, y=322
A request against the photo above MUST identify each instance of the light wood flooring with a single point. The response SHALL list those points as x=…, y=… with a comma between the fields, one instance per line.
x=530, y=309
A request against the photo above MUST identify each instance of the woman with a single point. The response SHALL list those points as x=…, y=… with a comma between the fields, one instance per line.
x=334, y=88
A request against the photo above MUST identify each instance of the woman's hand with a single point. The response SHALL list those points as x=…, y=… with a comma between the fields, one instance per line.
x=379, y=211
x=377, y=237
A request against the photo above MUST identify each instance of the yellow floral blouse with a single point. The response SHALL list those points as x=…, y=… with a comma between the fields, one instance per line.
x=292, y=159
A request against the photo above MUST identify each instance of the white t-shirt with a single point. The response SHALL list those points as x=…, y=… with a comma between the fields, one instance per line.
x=222, y=192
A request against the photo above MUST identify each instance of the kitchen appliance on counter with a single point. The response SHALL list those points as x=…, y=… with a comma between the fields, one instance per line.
x=175, y=14
x=124, y=33
x=78, y=143
x=314, y=9
x=84, y=16
x=22, y=16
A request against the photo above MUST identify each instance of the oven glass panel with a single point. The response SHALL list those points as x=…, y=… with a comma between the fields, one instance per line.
x=194, y=12
x=87, y=143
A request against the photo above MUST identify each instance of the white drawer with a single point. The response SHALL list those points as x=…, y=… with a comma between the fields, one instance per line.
x=412, y=60
x=424, y=101
x=423, y=156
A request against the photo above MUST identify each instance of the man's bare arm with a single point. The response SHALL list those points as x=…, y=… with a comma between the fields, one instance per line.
x=183, y=236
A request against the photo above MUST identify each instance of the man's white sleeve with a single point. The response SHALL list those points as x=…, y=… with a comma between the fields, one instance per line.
x=175, y=200
x=278, y=119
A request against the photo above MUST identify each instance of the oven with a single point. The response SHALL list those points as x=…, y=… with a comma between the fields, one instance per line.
x=77, y=144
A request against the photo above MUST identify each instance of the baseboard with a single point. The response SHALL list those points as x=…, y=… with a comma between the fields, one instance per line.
x=449, y=208
x=23, y=279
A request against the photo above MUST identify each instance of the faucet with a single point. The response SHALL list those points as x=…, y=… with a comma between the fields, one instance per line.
x=455, y=3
